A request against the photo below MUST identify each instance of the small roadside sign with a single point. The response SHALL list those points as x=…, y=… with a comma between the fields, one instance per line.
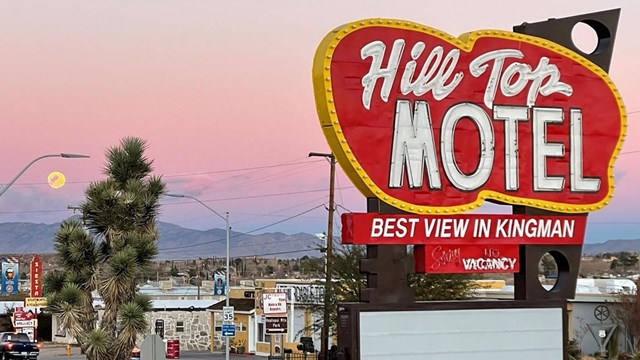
x=274, y=303
x=276, y=325
x=227, y=314
x=35, y=302
x=228, y=330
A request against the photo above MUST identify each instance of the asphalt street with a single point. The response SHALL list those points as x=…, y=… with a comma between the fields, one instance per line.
x=59, y=353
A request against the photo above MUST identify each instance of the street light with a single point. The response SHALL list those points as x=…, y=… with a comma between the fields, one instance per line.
x=324, y=346
x=62, y=155
x=226, y=220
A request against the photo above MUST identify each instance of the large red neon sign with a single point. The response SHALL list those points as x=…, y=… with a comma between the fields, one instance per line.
x=436, y=124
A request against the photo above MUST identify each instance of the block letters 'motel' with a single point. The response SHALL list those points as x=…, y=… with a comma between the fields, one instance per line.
x=527, y=284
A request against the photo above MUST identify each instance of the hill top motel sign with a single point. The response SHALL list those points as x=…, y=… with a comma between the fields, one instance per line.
x=429, y=126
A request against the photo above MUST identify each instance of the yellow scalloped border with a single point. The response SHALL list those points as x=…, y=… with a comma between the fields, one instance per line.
x=331, y=125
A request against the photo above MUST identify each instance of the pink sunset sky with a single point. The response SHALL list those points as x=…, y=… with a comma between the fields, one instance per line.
x=222, y=92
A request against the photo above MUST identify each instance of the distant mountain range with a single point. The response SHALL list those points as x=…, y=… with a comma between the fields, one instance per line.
x=177, y=242
x=612, y=246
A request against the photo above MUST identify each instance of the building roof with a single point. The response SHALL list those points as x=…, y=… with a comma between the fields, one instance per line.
x=189, y=305
x=245, y=305
x=170, y=305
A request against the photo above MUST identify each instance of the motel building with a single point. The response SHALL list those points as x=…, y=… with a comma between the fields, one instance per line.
x=591, y=294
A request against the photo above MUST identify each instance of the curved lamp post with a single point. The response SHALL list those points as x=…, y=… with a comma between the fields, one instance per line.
x=62, y=155
x=226, y=220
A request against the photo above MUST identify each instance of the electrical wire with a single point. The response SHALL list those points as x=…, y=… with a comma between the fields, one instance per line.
x=192, y=201
x=192, y=173
x=242, y=234
x=258, y=196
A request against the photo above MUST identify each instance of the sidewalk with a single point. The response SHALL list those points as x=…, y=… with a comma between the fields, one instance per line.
x=56, y=349
x=50, y=351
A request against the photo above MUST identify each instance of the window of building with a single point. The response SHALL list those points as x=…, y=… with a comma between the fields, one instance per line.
x=218, y=329
x=261, y=335
x=241, y=326
x=179, y=326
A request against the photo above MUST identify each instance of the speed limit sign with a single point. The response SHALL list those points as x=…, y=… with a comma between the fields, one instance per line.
x=227, y=314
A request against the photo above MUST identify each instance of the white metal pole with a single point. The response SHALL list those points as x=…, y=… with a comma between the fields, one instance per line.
x=227, y=290
x=292, y=317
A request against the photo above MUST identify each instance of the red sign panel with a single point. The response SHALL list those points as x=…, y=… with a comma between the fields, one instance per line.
x=36, y=277
x=382, y=229
x=454, y=259
x=433, y=124
x=20, y=315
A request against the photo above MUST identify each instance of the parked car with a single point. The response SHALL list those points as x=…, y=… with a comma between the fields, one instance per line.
x=18, y=346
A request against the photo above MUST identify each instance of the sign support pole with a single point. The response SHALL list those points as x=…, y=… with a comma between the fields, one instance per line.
x=35, y=328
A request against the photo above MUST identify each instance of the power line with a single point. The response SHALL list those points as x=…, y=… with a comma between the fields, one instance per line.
x=253, y=216
x=193, y=173
x=260, y=180
x=243, y=169
x=260, y=196
x=242, y=234
x=275, y=253
x=274, y=213
x=190, y=201
x=242, y=246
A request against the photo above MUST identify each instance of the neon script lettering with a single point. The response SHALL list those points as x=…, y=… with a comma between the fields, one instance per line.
x=437, y=74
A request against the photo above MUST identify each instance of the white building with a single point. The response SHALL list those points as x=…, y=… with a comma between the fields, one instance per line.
x=590, y=293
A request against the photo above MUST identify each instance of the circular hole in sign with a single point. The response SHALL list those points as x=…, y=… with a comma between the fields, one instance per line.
x=547, y=271
x=585, y=38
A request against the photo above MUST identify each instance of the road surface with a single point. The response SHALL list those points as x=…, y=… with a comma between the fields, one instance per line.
x=56, y=352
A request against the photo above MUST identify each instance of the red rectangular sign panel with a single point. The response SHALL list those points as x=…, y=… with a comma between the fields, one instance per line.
x=477, y=229
x=36, y=277
x=455, y=259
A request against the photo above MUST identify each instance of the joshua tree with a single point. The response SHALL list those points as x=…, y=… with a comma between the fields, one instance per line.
x=105, y=252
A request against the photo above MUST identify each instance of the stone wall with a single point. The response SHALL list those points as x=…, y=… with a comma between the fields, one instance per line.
x=196, y=333
x=218, y=340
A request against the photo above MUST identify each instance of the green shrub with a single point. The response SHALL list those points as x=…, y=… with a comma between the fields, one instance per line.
x=625, y=356
x=574, y=350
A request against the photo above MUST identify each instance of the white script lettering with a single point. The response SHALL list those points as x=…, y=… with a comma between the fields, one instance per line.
x=437, y=73
x=434, y=74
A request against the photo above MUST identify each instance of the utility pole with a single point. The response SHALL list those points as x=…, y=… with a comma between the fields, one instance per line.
x=328, y=283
